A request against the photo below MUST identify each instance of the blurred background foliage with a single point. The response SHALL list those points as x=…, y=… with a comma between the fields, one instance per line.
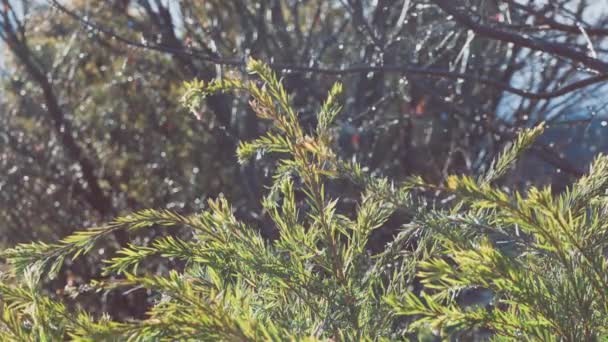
x=91, y=126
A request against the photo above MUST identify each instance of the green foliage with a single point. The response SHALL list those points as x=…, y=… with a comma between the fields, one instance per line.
x=501, y=165
x=519, y=266
x=543, y=271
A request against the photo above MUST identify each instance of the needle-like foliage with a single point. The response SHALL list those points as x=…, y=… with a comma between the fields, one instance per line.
x=516, y=266
x=534, y=268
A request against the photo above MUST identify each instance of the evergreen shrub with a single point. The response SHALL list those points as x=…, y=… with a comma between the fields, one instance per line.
x=481, y=262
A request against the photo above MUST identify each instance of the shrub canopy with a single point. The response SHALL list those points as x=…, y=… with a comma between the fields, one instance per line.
x=480, y=260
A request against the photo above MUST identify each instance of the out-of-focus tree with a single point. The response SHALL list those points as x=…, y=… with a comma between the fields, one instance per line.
x=91, y=129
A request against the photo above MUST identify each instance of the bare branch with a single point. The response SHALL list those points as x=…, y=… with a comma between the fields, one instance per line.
x=522, y=40
x=403, y=69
